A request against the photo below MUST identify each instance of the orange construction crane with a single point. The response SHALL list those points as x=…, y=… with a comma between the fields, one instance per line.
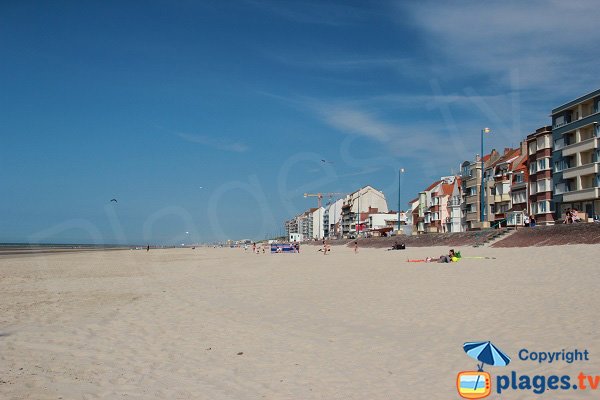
x=320, y=196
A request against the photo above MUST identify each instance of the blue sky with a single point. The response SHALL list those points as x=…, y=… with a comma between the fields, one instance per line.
x=211, y=117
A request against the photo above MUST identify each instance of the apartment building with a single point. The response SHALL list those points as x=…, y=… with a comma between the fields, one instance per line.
x=519, y=190
x=498, y=182
x=291, y=227
x=438, y=207
x=471, y=175
x=575, y=156
x=332, y=217
x=539, y=169
x=422, y=213
x=360, y=201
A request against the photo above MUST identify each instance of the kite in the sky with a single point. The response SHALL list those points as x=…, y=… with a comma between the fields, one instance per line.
x=115, y=200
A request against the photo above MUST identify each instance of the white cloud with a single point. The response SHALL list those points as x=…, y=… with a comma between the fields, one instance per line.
x=552, y=44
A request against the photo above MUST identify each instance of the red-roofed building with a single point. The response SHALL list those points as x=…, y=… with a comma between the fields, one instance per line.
x=498, y=181
x=435, y=204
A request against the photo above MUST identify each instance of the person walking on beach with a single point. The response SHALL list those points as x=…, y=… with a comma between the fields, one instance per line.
x=148, y=248
x=355, y=246
x=325, y=247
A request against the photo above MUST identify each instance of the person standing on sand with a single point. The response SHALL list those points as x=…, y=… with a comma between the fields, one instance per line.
x=355, y=246
x=148, y=248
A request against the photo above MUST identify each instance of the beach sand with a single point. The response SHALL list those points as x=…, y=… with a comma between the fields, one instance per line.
x=229, y=324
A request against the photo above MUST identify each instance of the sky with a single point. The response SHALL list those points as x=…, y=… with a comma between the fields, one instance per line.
x=208, y=120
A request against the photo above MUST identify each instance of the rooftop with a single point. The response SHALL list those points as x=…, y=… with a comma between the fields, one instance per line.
x=578, y=100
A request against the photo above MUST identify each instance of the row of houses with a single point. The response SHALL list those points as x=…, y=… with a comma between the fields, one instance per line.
x=554, y=169
x=363, y=212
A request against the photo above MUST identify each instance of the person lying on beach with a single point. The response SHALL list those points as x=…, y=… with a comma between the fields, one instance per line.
x=398, y=246
x=451, y=257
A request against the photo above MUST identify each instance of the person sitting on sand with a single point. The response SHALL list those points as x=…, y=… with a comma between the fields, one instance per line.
x=568, y=217
x=575, y=215
x=451, y=257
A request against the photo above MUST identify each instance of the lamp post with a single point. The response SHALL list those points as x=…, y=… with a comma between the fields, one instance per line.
x=400, y=172
x=482, y=190
x=358, y=213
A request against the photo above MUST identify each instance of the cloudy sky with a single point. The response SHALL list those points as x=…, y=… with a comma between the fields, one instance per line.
x=212, y=117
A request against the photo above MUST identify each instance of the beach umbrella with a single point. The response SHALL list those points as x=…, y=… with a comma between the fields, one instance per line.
x=487, y=353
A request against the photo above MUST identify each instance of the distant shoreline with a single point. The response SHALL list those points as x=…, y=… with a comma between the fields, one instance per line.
x=23, y=249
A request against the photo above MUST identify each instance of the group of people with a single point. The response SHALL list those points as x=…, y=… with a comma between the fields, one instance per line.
x=255, y=248
x=529, y=221
x=571, y=216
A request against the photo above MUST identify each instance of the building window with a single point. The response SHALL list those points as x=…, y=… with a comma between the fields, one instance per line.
x=532, y=168
x=519, y=178
x=543, y=163
x=518, y=197
x=533, y=188
x=543, y=185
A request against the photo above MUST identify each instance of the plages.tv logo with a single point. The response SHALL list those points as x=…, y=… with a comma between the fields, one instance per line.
x=478, y=384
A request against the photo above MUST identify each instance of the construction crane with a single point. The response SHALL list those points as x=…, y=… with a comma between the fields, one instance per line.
x=320, y=196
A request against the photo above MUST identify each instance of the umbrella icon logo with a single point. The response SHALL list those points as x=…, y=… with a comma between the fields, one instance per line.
x=478, y=384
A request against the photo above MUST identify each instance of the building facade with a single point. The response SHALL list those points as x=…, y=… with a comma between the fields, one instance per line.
x=576, y=175
x=540, y=180
x=355, y=203
x=471, y=176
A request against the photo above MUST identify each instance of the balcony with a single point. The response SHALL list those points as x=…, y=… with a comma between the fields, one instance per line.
x=472, y=216
x=586, y=169
x=499, y=198
x=580, y=195
x=584, y=145
x=454, y=202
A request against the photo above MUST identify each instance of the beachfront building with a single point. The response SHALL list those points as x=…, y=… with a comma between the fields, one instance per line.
x=413, y=215
x=332, y=218
x=422, y=214
x=317, y=226
x=360, y=201
x=455, y=221
x=539, y=169
x=576, y=156
x=305, y=224
x=498, y=182
x=519, y=189
x=438, y=208
x=471, y=176
x=291, y=227
x=379, y=223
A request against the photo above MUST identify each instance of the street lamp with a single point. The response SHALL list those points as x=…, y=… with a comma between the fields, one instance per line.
x=482, y=191
x=358, y=214
x=400, y=172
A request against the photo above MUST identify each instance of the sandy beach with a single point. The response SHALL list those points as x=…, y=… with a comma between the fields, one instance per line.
x=228, y=324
